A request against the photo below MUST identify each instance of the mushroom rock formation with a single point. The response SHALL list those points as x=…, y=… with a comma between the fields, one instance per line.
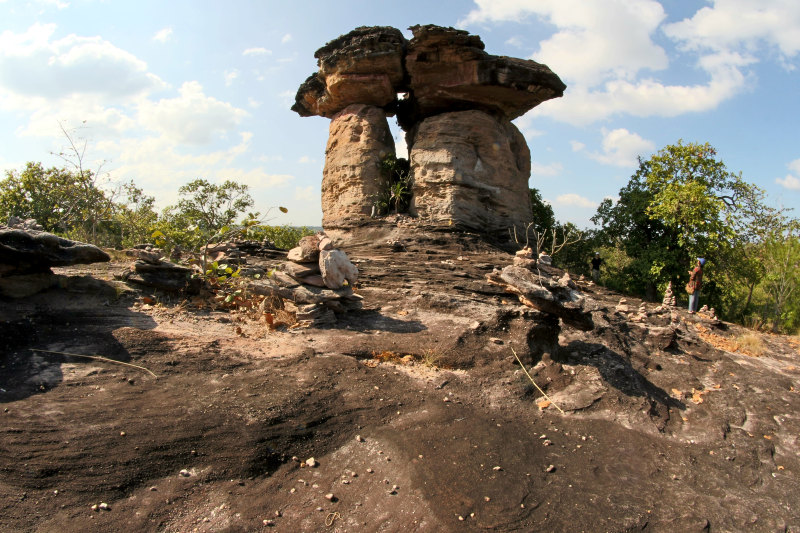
x=469, y=165
x=359, y=139
x=472, y=169
x=363, y=67
x=449, y=71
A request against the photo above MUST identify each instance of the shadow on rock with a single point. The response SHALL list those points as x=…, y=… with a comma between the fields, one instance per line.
x=373, y=320
x=617, y=372
x=33, y=349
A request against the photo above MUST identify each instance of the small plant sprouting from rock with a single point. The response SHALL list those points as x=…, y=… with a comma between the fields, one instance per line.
x=395, y=190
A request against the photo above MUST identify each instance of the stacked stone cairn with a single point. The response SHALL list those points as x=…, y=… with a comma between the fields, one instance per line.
x=469, y=164
x=669, y=300
x=525, y=258
x=151, y=269
x=316, y=282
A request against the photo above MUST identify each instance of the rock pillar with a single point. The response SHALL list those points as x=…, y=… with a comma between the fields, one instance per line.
x=359, y=139
x=471, y=169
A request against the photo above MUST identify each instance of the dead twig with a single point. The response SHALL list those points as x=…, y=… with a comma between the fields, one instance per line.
x=534, y=383
x=96, y=358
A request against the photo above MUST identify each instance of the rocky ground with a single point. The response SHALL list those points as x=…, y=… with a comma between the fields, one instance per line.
x=413, y=411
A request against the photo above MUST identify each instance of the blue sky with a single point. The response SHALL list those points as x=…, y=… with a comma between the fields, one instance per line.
x=166, y=92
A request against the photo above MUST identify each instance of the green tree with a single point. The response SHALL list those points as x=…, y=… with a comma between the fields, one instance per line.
x=210, y=207
x=59, y=199
x=136, y=216
x=203, y=211
x=681, y=203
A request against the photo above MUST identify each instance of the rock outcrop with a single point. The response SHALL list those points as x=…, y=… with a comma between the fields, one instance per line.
x=351, y=180
x=472, y=169
x=470, y=165
x=30, y=251
x=449, y=70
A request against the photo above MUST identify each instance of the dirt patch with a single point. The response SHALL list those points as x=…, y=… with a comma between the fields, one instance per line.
x=675, y=436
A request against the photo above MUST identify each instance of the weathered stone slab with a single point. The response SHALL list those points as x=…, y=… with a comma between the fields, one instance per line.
x=472, y=169
x=30, y=251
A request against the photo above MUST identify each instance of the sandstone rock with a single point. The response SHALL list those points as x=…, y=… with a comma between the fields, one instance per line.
x=325, y=243
x=336, y=268
x=307, y=250
x=449, y=70
x=351, y=180
x=545, y=259
x=24, y=285
x=473, y=169
x=26, y=224
x=165, y=276
x=364, y=66
x=30, y=251
x=538, y=292
x=302, y=270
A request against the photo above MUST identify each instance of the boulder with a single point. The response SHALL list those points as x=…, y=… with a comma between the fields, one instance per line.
x=472, y=169
x=449, y=71
x=364, y=66
x=306, y=251
x=542, y=294
x=165, y=276
x=351, y=180
x=30, y=251
x=336, y=268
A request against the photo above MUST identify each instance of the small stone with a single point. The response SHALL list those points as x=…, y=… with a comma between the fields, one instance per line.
x=487, y=499
x=547, y=442
x=320, y=509
x=104, y=506
x=330, y=497
x=185, y=473
x=497, y=468
x=359, y=438
x=460, y=518
x=95, y=507
x=550, y=468
x=446, y=399
x=153, y=489
x=268, y=523
x=370, y=471
x=122, y=433
x=345, y=482
x=292, y=490
x=395, y=487
x=353, y=474
x=311, y=462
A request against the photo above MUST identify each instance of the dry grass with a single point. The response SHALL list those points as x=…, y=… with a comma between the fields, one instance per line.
x=751, y=344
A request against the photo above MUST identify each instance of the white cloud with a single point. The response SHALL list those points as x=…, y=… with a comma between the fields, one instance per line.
x=163, y=35
x=252, y=102
x=514, y=41
x=308, y=194
x=400, y=146
x=259, y=51
x=192, y=117
x=305, y=159
x=789, y=182
x=741, y=24
x=230, y=76
x=607, y=51
x=595, y=41
x=621, y=148
x=255, y=178
x=33, y=64
x=576, y=200
x=553, y=169
x=577, y=146
x=286, y=38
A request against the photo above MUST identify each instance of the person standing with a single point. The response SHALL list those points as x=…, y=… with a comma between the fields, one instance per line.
x=596, y=262
x=695, y=284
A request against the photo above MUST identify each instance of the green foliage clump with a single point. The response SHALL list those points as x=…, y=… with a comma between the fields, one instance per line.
x=283, y=237
x=395, y=186
x=683, y=203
